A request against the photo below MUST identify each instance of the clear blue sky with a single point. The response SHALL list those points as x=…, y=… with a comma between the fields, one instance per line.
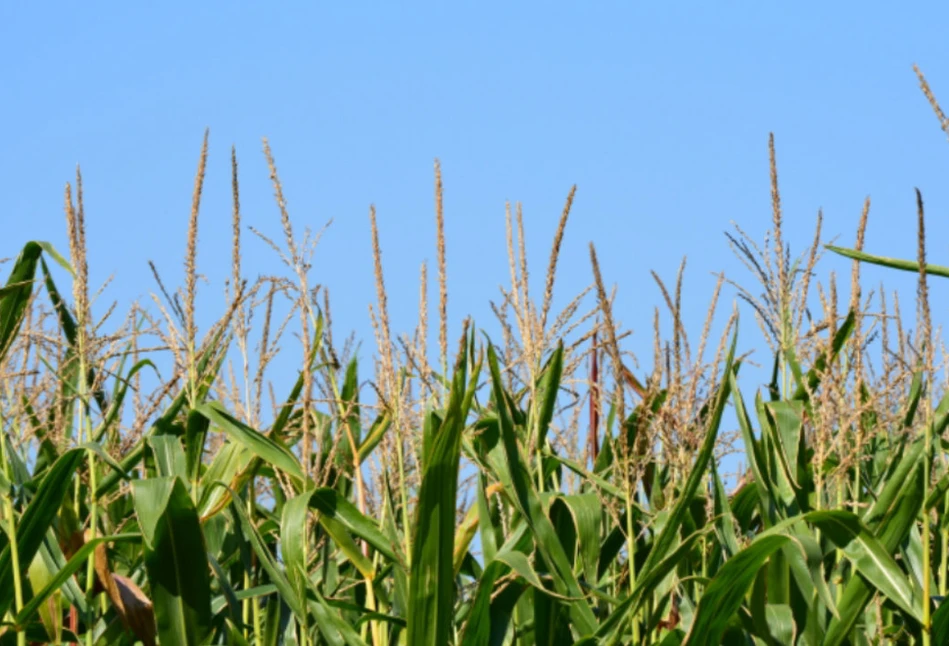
x=661, y=116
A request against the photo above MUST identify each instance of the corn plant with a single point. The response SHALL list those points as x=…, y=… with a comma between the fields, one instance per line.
x=525, y=489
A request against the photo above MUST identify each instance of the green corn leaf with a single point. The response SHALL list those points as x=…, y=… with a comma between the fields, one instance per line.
x=293, y=536
x=724, y=521
x=586, y=511
x=765, y=488
x=227, y=590
x=261, y=445
x=70, y=329
x=815, y=374
x=940, y=624
x=175, y=559
x=61, y=575
x=376, y=432
x=283, y=417
x=890, y=519
x=36, y=520
x=528, y=503
x=726, y=592
x=344, y=514
x=169, y=457
x=208, y=365
x=277, y=574
x=334, y=629
x=547, y=390
x=646, y=585
x=111, y=415
x=891, y=263
x=870, y=557
x=229, y=466
x=431, y=579
x=667, y=536
x=234, y=636
x=16, y=295
x=196, y=430
x=487, y=621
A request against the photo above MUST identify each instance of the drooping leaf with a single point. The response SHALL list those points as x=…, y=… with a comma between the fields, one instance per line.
x=78, y=560
x=870, y=558
x=16, y=295
x=261, y=445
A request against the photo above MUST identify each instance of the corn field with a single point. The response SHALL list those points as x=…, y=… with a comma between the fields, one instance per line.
x=534, y=488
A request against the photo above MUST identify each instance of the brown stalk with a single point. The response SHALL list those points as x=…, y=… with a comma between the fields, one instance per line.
x=191, y=254
x=855, y=294
x=612, y=347
x=388, y=363
x=776, y=215
x=554, y=255
x=422, y=352
x=235, y=222
x=923, y=292
x=263, y=354
x=522, y=252
x=515, y=294
x=943, y=120
x=593, y=439
x=442, y=271
x=809, y=269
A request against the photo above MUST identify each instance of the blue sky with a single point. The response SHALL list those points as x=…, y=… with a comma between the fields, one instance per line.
x=659, y=114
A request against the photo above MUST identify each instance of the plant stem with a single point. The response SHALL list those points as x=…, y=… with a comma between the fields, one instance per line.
x=631, y=546
x=248, y=584
x=944, y=565
x=11, y=533
x=927, y=538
